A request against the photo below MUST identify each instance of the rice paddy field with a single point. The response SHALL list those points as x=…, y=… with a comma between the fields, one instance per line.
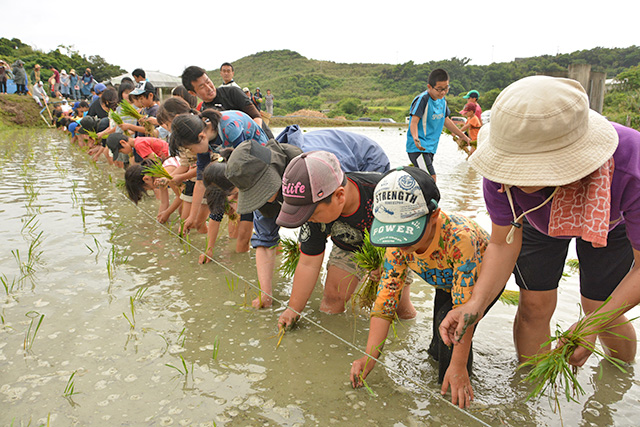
x=106, y=318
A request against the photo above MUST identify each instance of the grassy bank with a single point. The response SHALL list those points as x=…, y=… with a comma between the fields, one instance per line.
x=19, y=111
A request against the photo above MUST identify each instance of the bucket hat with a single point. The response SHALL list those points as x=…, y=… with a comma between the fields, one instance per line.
x=542, y=133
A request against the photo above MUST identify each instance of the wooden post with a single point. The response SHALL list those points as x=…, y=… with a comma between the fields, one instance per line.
x=596, y=91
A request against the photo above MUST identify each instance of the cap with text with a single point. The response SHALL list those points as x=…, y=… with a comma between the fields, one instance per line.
x=403, y=201
x=309, y=178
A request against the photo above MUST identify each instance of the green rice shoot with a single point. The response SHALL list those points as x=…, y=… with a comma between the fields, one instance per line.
x=368, y=258
x=69, y=390
x=156, y=170
x=551, y=371
x=509, y=297
x=117, y=119
x=290, y=256
x=129, y=110
x=32, y=331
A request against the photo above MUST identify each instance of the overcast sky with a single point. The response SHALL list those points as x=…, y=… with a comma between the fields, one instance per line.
x=168, y=36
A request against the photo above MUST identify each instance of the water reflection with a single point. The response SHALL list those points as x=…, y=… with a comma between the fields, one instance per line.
x=120, y=342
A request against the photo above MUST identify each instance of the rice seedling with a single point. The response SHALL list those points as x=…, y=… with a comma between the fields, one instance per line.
x=117, y=119
x=290, y=256
x=231, y=284
x=26, y=268
x=551, y=371
x=84, y=216
x=156, y=170
x=8, y=287
x=93, y=135
x=183, y=336
x=69, y=390
x=140, y=293
x=132, y=321
x=230, y=212
x=281, y=332
x=32, y=331
x=74, y=194
x=509, y=297
x=370, y=259
x=130, y=110
x=184, y=365
x=216, y=347
x=573, y=264
x=29, y=225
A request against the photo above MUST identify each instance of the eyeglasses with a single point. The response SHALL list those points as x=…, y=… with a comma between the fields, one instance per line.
x=441, y=90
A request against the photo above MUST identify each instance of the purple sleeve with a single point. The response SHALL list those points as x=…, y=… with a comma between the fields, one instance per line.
x=497, y=203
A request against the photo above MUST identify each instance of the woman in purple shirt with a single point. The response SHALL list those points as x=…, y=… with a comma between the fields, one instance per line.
x=555, y=170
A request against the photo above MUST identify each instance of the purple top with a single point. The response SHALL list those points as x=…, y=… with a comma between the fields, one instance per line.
x=625, y=193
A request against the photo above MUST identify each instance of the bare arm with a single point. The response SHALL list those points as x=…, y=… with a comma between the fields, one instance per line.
x=448, y=123
x=497, y=265
x=304, y=280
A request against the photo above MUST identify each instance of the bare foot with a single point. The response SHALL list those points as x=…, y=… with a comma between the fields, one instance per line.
x=263, y=301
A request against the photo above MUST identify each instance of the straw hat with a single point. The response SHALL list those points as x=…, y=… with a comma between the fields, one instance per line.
x=542, y=132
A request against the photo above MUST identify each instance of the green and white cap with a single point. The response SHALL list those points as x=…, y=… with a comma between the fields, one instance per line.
x=403, y=201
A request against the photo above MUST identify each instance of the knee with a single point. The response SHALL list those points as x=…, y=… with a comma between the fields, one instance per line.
x=535, y=307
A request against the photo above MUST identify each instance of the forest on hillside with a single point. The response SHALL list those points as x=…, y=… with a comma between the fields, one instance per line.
x=376, y=90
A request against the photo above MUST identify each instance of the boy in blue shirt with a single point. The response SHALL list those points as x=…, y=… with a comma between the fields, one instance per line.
x=429, y=114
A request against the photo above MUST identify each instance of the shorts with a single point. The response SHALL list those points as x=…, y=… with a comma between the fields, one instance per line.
x=266, y=233
x=423, y=160
x=542, y=259
x=243, y=217
x=344, y=260
x=187, y=193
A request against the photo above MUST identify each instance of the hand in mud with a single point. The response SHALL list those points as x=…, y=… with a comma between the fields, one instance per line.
x=360, y=368
x=461, y=390
x=287, y=319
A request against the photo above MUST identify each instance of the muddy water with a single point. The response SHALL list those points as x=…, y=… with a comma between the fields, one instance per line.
x=132, y=316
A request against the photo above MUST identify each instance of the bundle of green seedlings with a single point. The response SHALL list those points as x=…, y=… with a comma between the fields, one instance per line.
x=117, y=119
x=551, y=370
x=291, y=255
x=509, y=297
x=156, y=170
x=93, y=135
x=130, y=110
x=231, y=213
x=369, y=258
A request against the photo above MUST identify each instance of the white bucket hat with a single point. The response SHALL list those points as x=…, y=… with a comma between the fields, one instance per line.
x=542, y=132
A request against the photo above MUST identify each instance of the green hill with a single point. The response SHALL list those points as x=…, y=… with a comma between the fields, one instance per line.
x=383, y=90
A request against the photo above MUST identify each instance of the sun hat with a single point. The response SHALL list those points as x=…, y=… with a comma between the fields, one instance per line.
x=256, y=170
x=308, y=179
x=472, y=94
x=542, y=133
x=468, y=107
x=403, y=201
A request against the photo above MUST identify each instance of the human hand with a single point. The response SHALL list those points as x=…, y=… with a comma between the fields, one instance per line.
x=461, y=391
x=376, y=274
x=125, y=126
x=160, y=182
x=206, y=257
x=458, y=320
x=418, y=145
x=188, y=224
x=580, y=354
x=163, y=216
x=287, y=319
x=360, y=368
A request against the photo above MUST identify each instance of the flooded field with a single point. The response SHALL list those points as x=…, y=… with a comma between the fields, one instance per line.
x=108, y=319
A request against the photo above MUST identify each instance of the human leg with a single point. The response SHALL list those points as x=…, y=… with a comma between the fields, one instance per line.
x=343, y=276
x=265, y=239
x=601, y=270
x=245, y=229
x=423, y=161
x=537, y=272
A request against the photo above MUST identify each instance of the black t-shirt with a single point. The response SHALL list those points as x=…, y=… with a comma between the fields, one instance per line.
x=233, y=98
x=347, y=232
x=95, y=109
